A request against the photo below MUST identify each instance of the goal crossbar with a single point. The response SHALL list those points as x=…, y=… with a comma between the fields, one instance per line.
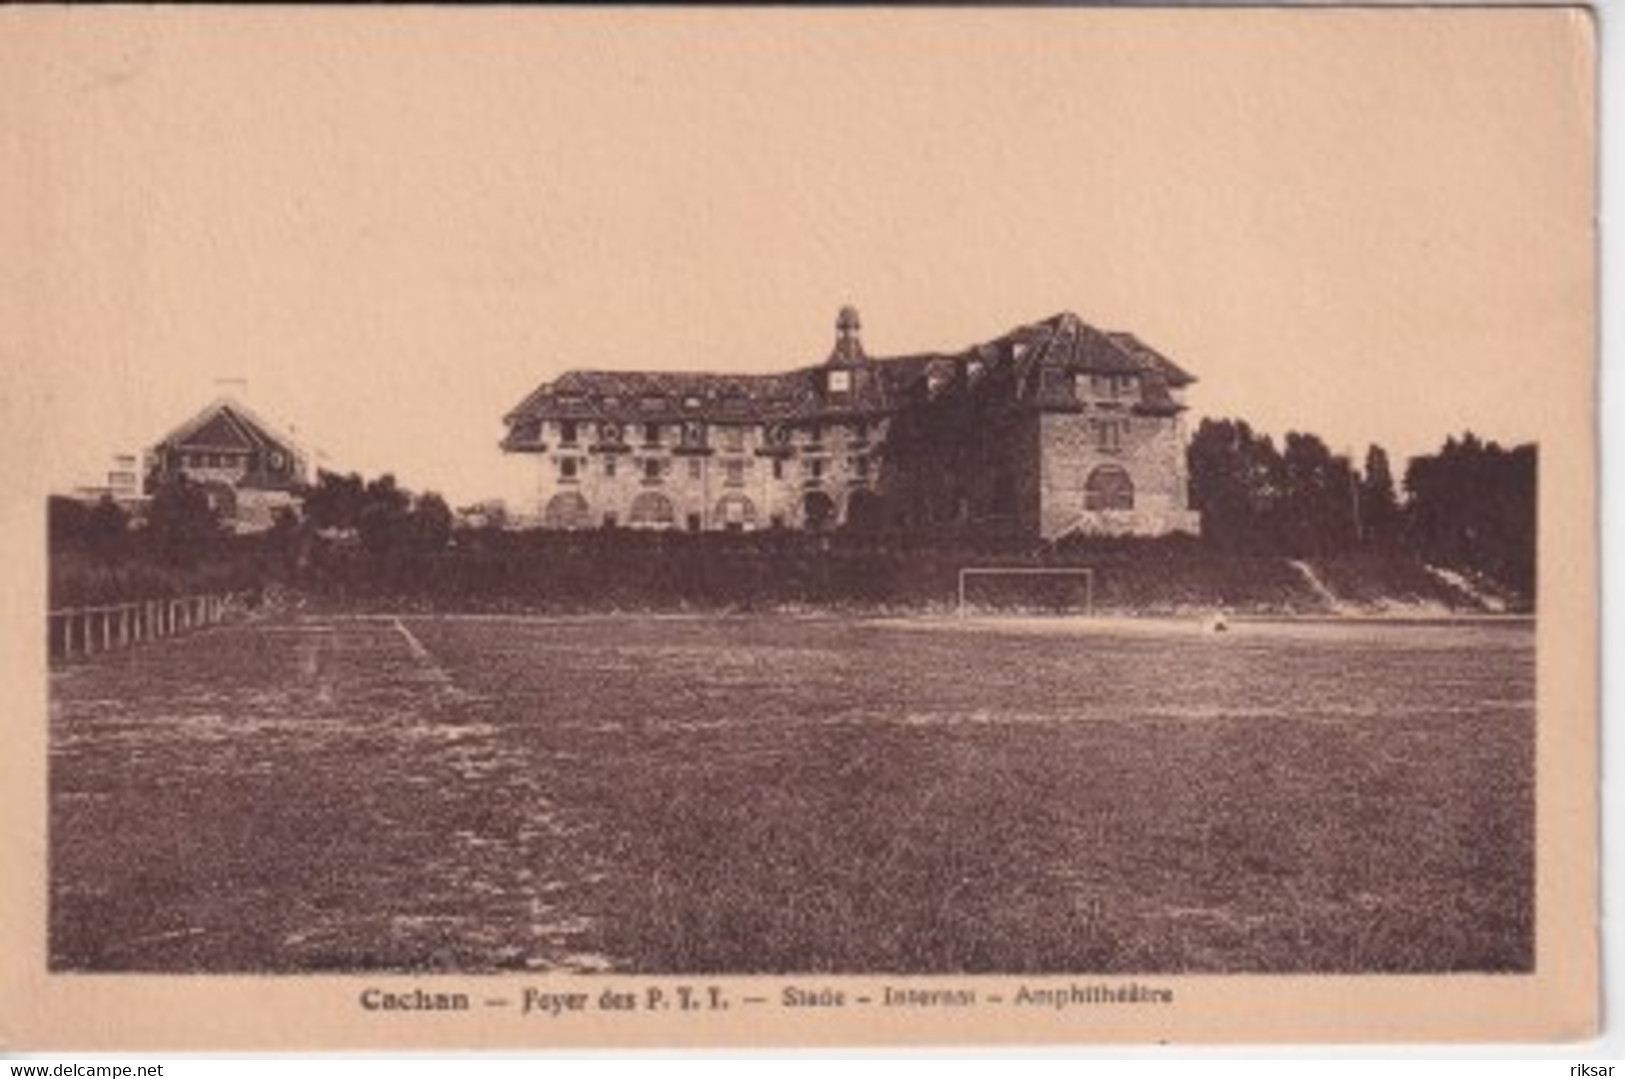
x=1088, y=575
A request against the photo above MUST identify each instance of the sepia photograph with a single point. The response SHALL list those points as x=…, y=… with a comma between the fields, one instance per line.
x=791, y=527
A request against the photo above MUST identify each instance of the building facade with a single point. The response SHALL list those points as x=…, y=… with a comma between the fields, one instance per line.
x=1052, y=429
x=248, y=470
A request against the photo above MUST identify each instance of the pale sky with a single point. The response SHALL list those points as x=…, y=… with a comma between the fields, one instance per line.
x=1373, y=225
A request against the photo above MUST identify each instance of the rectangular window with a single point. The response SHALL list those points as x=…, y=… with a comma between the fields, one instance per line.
x=651, y=470
x=651, y=434
x=860, y=465
x=815, y=469
x=1109, y=435
x=860, y=431
x=609, y=466
x=695, y=468
x=815, y=434
x=694, y=524
x=567, y=432
x=610, y=520
x=567, y=468
x=735, y=473
x=778, y=468
x=733, y=439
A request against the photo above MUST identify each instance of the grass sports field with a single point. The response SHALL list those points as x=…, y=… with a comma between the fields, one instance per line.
x=777, y=794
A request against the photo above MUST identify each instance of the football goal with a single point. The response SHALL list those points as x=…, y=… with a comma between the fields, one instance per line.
x=1027, y=589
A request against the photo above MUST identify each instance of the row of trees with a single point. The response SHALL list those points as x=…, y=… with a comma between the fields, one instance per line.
x=180, y=527
x=386, y=517
x=1471, y=506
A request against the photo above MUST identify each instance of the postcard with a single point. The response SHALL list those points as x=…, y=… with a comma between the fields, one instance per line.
x=545, y=528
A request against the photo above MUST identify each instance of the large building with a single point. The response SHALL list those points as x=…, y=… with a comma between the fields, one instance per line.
x=246, y=467
x=1053, y=428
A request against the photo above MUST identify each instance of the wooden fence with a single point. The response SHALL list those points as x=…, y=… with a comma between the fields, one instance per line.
x=83, y=631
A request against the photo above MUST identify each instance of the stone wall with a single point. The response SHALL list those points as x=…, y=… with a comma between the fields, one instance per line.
x=1150, y=449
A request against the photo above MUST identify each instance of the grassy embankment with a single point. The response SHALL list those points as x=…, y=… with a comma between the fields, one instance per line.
x=627, y=572
x=642, y=572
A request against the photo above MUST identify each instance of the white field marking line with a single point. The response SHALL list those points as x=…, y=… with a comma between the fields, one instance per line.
x=435, y=672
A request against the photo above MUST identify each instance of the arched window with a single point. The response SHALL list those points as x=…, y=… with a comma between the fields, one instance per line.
x=735, y=513
x=567, y=510
x=1108, y=488
x=652, y=510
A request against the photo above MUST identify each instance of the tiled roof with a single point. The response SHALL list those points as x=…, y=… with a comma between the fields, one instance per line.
x=225, y=424
x=222, y=431
x=878, y=385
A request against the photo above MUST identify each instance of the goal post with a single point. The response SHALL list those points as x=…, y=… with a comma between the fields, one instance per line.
x=1028, y=586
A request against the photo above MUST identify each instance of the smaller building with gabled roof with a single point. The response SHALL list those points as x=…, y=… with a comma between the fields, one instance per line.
x=248, y=467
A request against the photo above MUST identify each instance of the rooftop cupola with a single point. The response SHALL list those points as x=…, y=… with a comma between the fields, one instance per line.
x=848, y=339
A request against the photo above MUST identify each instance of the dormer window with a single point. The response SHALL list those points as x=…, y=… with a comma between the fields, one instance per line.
x=691, y=402
x=840, y=381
